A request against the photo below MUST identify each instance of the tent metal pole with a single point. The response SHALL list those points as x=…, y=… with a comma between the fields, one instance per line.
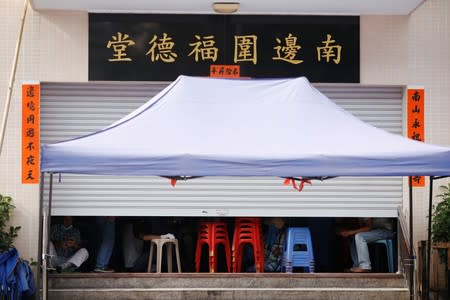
x=427, y=270
x=40, y=241
x=46, y=230
x=411, y=243
x=440, y=177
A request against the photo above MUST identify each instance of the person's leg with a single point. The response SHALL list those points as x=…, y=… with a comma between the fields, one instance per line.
x=51, y=249
x=79, y=257
x=353, y=252
x=131, y=246
x=54, y=259
x=361, y=241
x=322, y=229
x=188, y=252
x=108, y=235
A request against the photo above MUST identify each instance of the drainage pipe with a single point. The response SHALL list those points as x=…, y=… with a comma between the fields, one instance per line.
x=12, y=77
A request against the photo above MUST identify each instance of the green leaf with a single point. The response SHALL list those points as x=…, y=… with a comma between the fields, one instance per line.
x=7, y=234
x=440, y=228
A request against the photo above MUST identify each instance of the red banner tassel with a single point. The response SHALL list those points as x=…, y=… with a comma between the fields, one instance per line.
x=173, y=182
x=294, y=184
x=299, y=188
x=302, y=184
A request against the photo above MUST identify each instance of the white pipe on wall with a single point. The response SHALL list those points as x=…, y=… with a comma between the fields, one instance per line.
x=12, y=78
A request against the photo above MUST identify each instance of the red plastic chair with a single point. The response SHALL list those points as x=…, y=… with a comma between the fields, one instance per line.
x=247, y=231
x=212, y=234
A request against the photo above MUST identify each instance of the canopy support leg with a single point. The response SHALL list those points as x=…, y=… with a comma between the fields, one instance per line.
x=40, y=241
x=411, y=243
x=427, y=270
x=46, y=222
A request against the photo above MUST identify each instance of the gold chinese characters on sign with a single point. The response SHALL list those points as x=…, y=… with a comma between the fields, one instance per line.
x=119, y=45
x=245, y=48
x=203, y=48
x=329, y=51
x=163, y=48
x=287, y=52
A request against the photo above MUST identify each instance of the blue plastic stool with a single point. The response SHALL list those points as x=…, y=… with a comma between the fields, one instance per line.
x=298, y=251
x=390, y=252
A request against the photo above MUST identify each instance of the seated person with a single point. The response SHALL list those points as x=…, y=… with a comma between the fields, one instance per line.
x=106, y=226
x=273, y=245
x=64, y=247
x=135, y=259
x=274, y=237
x=132, y=248
x=370, y=230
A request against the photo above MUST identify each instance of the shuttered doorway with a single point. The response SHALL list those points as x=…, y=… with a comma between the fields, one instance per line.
x=73, y=109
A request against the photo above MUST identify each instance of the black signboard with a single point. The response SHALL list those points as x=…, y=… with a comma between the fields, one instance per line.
x=160, y=47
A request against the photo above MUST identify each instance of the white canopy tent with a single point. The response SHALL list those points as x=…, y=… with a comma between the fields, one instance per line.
x=228, y=127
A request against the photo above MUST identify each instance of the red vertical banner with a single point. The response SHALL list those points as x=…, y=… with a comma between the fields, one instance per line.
x=30, y=133
x=416, y=123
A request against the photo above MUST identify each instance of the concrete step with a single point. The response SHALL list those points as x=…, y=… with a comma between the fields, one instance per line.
x=227, y=286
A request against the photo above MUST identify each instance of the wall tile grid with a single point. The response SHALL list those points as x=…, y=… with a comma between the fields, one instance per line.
x=429, y=48
x=25, y=197
x=413, y=50
x=54, y=48
x=64, y=46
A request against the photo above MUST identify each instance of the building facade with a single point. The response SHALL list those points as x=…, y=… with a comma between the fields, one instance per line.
x=394, y=50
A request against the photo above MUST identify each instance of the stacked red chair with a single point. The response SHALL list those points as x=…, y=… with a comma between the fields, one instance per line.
x=212, y=234
x=247, y=231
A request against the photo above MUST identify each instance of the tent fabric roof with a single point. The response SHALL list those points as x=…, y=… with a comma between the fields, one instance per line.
x=230, y=127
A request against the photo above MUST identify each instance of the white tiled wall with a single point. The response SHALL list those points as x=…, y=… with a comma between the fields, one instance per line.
x=63, y=47
x=394, y=50
x=429, y=53
x=414, y=50
x=54, y=48
x=25, y=196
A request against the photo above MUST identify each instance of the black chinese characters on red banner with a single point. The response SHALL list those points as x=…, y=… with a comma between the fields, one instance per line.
x=30, y=133
x=416, y=124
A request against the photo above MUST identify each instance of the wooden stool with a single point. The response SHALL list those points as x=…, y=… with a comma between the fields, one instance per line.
x=159, y=244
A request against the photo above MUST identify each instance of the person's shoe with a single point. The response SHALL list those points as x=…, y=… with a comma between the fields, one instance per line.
x=66, y=267
x=359, y=270
x=69, y=270
x=103, y=270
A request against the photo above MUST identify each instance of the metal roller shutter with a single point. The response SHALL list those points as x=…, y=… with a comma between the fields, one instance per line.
x=73, y=109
